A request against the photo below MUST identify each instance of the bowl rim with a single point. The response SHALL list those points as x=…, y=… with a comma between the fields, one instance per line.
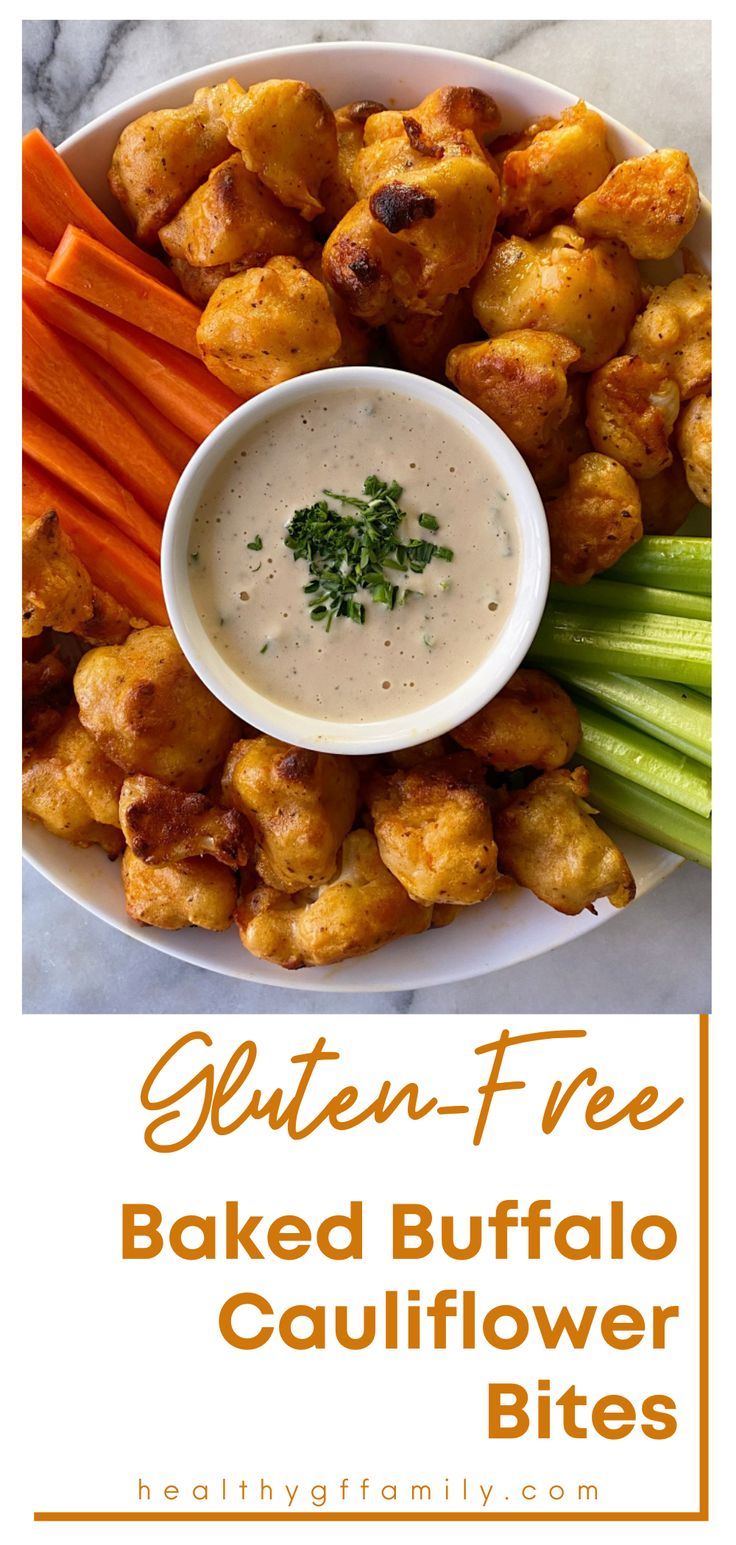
x=353, y=737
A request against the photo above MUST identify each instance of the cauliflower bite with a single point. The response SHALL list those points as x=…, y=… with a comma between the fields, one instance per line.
x=356, y=341
x=588, y=291
x=162, y=157
x=233, y=218
x=674, y=330
x=73, y=788
x=650, y=203
x=287, y=136
x=694, y=442
x=550, y=463
x=549, y=843
x=530, y=723
x=520, y=381
x=57, y=590
x=198, y=893
x=358, y=911
x=163, y=825
x=267, y=325
x=416, y=239
x=666, y=500
x=594, y=520
x=338, y=191
x=46, y=693
x=631, y=411
x=556, y=165
x=395, y=142
x=434, y=830
x=150, y=713
x=300, y=804
x=422, y=342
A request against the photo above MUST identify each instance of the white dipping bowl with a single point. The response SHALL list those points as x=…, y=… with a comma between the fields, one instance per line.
x=349, y=737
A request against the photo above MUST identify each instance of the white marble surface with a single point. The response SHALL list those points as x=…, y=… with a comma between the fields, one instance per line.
x=655, y=77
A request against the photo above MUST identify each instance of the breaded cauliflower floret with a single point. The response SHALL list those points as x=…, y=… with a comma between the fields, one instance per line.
x=674, y=330
x=451, y=120
x=338, y=191
x=666, y=500
x=163, y=825
x=631, y=411
x=267, y=325
x=559, y=283
x=594, y=520
x=418, y=237
x=694, y=431
x=150, y=713
x=162, y=157
x=358, y=911
x=530, y=723
x=300, y=804
x=650, y=203
x=434, y=830
x=198, y=893
x=286, y=133
x=73, y=788
x=552, y=169
x=549, y=843
x=57, y=590
x=423, y=342
x=233, y=218
x=520, y=381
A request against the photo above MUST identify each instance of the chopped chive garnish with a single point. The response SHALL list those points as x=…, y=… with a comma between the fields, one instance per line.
x=358, y=550
x=264, y=647
x=256, y=545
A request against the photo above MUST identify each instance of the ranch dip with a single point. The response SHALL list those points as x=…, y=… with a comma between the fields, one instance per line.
x=249, y=587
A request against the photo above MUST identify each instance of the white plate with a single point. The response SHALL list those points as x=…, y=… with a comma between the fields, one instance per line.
x=507, y=929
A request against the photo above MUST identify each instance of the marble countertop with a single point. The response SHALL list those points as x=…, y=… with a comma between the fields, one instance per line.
x=653, y=76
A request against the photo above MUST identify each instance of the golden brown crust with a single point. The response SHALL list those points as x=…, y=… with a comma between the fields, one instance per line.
x=57, y=590
x=423, y=342
x=73, y=788
x=650, y=203
x=631, y=411
x=694, y=439
x=434, y=830
x=544, y=176
x=164, y=825
x=520, y=381
x=267, y=325
x=549, y=843
x=300, y=803
x=287, y=135
x=594, y=520
x=233, y=218
x=530, y=723
x=150, y=713
x=674, y=330
x=666, y=500
x=199, y=893
x=162, y=157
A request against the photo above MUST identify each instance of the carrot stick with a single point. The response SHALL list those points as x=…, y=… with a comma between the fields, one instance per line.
x=53, y=199
x=35, y=258
x=85, y=268
x=92, y=482
x=181, y=388
x=114, y=562
x=86, y=408
x=176, y=446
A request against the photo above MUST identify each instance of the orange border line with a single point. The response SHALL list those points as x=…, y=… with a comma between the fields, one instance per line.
x=701, y=1516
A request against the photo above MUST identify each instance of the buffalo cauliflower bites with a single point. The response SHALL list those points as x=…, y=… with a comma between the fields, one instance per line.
x=300, y=803
x=674, y=330
x=666, y=500
x=57, y=590
x=338, y=191
x=694, y=441
x=594, y=520
x=422, y=342
x=73, y=788
x=549, y=843
x=650, y=203
x=554, y=166
x=150, y=713
x=162, y=157
x=233, y=218
x=198, y=893
x=559, y=283
x=359, y=910
x=287, y=136
x=520, y=381
x=164, y=825
x=530, y=723
x=266, y=325
x=434, y=830
x=631, y=412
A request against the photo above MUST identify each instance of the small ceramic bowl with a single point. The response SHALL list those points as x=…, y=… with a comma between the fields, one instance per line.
x=334, y=735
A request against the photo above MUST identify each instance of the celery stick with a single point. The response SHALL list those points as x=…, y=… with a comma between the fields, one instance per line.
x=674, y=714
x=650, y=816
x=662, y=648
x=635, y=598
x=644, y=760
x=669, y=562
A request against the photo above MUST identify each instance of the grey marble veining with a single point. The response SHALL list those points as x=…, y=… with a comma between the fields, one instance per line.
x=653, y=76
